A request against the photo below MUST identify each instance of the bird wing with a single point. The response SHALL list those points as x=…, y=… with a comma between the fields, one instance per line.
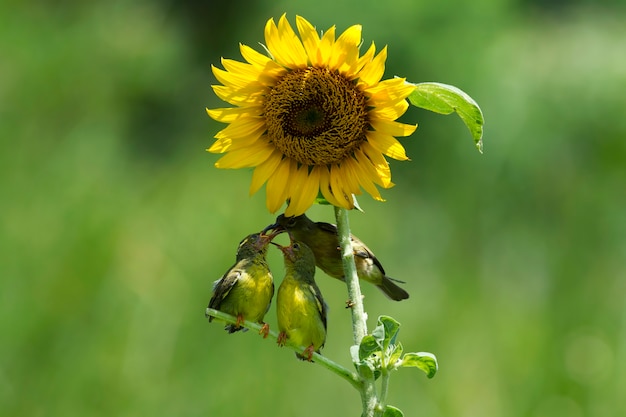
x=364, y=252
x=327, y=227
x=322, y=308
x=359, y=248
x=223, y=286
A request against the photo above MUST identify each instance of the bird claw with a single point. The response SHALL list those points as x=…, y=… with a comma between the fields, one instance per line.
x=307, y=354
x=350, y=303
x=281, y=339
x=265, y=330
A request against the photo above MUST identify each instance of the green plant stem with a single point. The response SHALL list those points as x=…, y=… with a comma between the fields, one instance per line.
x=359, y=323
x=384, y=386
x=346, y=374
x=369, y=399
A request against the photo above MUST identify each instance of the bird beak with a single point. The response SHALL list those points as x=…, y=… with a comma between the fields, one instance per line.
x=286, y=250
x=275, y=228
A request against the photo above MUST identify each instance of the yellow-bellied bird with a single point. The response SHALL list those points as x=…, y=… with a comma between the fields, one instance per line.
x=247, y=288
x=300, y=308
x=323, y=239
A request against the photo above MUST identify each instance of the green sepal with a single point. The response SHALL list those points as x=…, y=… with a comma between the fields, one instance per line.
x=321, y=200
x=356, y=204
x=425, y=361
x=445, y=99
x=391, y=411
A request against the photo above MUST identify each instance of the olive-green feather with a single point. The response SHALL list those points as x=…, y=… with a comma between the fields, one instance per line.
x=247, y=288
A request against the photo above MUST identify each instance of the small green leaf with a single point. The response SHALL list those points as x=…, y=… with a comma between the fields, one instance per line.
x=391, y=330
x=369, y=346
x=391, y=411
x=379, y=334
x=425, y=361
x=445, y=99
x=395, y=355
x=354, y=353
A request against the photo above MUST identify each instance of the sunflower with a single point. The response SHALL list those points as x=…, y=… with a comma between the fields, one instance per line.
x=313, y=116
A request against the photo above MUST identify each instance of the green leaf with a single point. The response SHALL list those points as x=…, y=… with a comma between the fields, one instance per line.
x=445, y=99
x=369, y=346
x=379, y=334
x=391, y=330
x=391, y=411
x=354, y=353
x=395, y=355
x=425, y=361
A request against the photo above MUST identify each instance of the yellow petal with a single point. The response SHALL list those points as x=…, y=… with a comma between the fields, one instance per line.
x=264, y=171
x=373, y=71
x=389, y=111
x=226, y=144
x=325, y=49
x=325, y=186
x=310, y=38
x=304, y=188
x=367, y=57
x=379, y=163
x=247, y=157
x=242, y=128
x=349, y=181
x=392, y=128
x=250, y=73
x=237, y=98
x=342, y=193
x=389, y=91
x=229, y=115
x=363, y=177
x=284, y=45
x=387, y=145
x=233, y=81
x=259, y=60
x=367, y=166
x=277, y=186
x=346, y=51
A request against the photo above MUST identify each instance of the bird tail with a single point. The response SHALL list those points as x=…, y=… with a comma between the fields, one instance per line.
x=391, y=290
x=231, y=328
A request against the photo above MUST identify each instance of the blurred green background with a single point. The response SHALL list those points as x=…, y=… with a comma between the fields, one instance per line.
x=114, y=223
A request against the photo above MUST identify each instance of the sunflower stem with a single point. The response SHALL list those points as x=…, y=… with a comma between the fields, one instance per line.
x=332, y=366
x=359, y=318
x=359, y=321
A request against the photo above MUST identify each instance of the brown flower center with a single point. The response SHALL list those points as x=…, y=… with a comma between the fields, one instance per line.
x=315, y=116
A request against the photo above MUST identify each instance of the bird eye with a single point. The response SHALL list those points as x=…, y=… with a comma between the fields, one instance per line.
x=296, y=246
x=291, y=222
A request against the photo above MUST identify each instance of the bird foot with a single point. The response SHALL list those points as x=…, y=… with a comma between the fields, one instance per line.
x=239, y=321
x=307, y=354
x=265, y=330
x=281, y=339
x=350, y=303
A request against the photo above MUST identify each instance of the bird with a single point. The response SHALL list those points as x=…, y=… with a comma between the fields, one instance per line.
x=247, y=288
x=323, y=239
x=300, y=307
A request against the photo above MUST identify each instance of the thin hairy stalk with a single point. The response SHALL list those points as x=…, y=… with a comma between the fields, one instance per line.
x=369, y=399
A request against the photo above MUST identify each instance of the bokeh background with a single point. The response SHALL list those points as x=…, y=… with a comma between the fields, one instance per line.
x=114, y=222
